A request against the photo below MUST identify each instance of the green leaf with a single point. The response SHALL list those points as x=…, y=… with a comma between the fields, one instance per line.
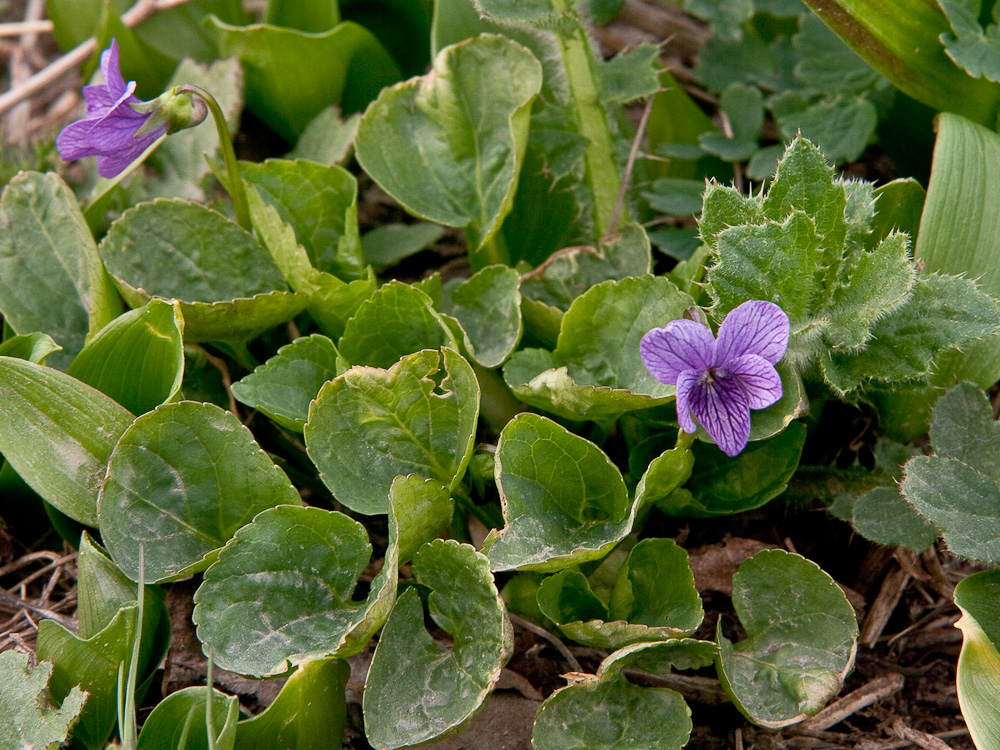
x=576, y=717
x=564, y=502
x=320, y=203
x=415, y=691
x=720, y=485
x=170, y=485
x=184, y=711
x=825, y=62
x=183, y=158
x=395, y=321
x=29, y=720
x=665, y=473
x=463, y=128
x=138, y=358
x=962, y=427
x=883, y=516
x=960, y=228
x=368, y=426
x=310, y=15
x=228, y=286
x=842, y=126
x=676, y=196
x=798, y=649
x=58, y=434
x=292, y=75
x=387, y=244
x=974, y=49
x=32, y=347
x=285, y=385
x=978, y=677
x=960, y=500
x=47, y=253
x=596, y=371
x=566, y=597
x=878, y=282
x=91, y=664
x=900, y=40
x=942, y=312
x=331, y=301
x=488, y=306
x=630, y=75
x=328, y=138
x=310, y=712
x=900, y=204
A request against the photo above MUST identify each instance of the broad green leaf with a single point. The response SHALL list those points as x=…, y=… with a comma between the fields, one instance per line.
x=285, y=385
x=564, y=502
x=285, y=584
x=974, y=49
x=900, y=40
x=310, y=712
x=596, y=371
x=825, y=62
x=960, y=500
x=676, y=196
x=58, y=433
x=138, y=358
x=369, y=426
x=663, y=475
x=566, y=597
x=960, y=228
x=181, y=481
x=32, y=347
x=293, y=75
x=415, y=691
x=27, y=718
x=577, y=717
x=978, y=675
x=962, y=427
x=841, y=126
x=799, y=649
x=883, y=516
x=878, y=281
x=228, y=286
x=281, y=592
x=320, y=203
x=942, y=312
x=183, y=158
x=900, y=205
x=462, y=129
x=488, y=306
x=47, y=253
x=387, y=244
x=395, y=321
x=328, y=138
x=304, y=15
x=184, y=712
x=331, y=301
x=93, y=665
x=720, y=485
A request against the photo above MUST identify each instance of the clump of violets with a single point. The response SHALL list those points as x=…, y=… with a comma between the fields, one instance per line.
x=117, y=125
x=720, y=380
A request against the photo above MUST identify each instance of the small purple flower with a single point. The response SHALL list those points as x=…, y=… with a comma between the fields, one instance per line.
x=720, y=381
x=108, y=130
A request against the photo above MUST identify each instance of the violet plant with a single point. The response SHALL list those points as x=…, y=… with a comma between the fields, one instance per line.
x=585, y=375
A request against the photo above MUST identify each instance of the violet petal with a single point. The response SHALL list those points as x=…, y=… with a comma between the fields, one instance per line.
x=755, y=327
x=685, y=382
x=681, y=345
x=758, y=378
x=721, y=408
x=111, y=70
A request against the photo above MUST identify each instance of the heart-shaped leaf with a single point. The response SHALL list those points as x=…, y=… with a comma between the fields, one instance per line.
x=181, y=481
x=369, y=426
x=462, y=128
x=564, y=502
x=285, y=385
x=488, y=306
x=58, y=434
x=138, y=358
x=416, y=691
x=228, y=286
x=978, y=675
x=798, y=649
x=47, y=253
x=395, y=321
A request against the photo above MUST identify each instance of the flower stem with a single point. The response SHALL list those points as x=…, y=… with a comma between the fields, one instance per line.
x=236, y=191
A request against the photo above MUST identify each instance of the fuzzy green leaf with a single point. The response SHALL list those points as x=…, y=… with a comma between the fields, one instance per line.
x=883, y=516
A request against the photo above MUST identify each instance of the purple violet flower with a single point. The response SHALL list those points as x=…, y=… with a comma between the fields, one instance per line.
x=720, y=381
x=108, y=130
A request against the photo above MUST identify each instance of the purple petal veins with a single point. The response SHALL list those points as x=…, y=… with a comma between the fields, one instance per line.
x=110, y=124
x=720, y=381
